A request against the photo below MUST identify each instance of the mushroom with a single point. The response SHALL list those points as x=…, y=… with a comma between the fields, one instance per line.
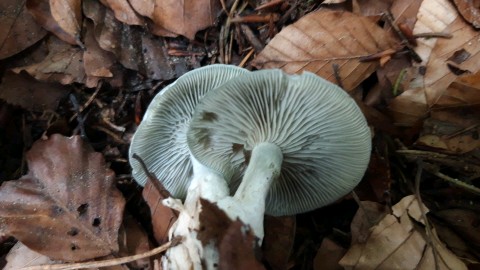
x=305, y=141
x=160, y=139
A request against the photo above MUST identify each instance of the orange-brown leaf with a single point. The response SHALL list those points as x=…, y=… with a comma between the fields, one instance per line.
x=68, y=15
x=325, y=38
x=469, y=11
x=67, y=206
x=19, y=31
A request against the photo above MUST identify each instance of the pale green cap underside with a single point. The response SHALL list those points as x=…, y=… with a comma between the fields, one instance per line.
x=160, y=139
x=323, y=135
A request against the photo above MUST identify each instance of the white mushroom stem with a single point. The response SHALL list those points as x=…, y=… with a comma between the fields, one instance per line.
x=190, y=254
x=248, y=203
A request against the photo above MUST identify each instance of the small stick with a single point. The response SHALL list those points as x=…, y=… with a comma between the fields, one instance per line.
x=111, y=262
x=245, y=59
x=89, y=101
x=389, y=18
x=433, y=35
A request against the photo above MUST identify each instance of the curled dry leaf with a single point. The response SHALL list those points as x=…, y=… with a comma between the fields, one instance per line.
x=163, y=217
x=397, y=242
x=68, y=15
x=325, y=38
x=63, y=64
x=469, y=11
x=19, y=31
x=173, y=17
x=132, y=48
x=67, y=207
x=42, y=13
x=123, y=11
x=30, y=94
x=445, y=59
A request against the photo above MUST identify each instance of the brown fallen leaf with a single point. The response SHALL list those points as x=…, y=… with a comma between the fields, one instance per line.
x=409, y=108
x=123, y=12
x=464, y=91
x=396, y=242
x=452, y=131
x=278, y=240
x=163, y=217
x=42, y=13
x=132, y=48
x=28, y=93
x=21, y=256
x=236, y=249
x=325, y=38
x=19, y=31
x=67, y=207
x=469, y=11
x=172, y=17
x=63, y=64
x=444, y=59
x=328, y=256
x=68, y=15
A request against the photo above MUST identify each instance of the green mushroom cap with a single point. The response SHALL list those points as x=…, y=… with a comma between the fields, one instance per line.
x=160, y=139
x=323, y=136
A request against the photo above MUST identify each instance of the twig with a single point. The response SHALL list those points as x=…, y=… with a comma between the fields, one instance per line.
x=89, y=101
x=389, y=18
x=433, y=35
x=433, y=170
x=112, y=262
x=80, y=118
x=152, y=177
x=245, y=59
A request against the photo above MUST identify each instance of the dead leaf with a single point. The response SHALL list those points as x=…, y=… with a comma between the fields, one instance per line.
x=132, y=48
x=278, y=240
x=409, y=108
x=464, y=91
x=437, y=53
x=23, y=90
x=236, y=249
x=163, y=217
x=464, y=222
x=213, y=223
x=173, y=17
x=325, y=38
x=328, y=256
x=41, y=12
x=373, y=7
x=469, y=11
x=123, y=11
x=63, y=64
x=19, y=31
x=397, y=242
x=134, y=240
x=68, y=15
x=21, y=256
x=67, y=206
x=452, y=131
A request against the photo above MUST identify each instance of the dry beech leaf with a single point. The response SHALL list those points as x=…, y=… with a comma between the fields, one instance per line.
x=68, y=15
x=397, y=242
x=163, y=217
x=97, y=62
x=469, y=11
x=235, y=249
x=278, y=240
x=30, y=94
x=173, y=17
x=67, y=207
x=41, y=12
x=21, y=256
x=328, y=256
x=325, y=38
x=63, y=64
x=409, y=108
x=445, y=59
x=464, y=91
x=19, y=31
x=452, y=131
x=123, y=11
x=373, y=7
x=132, y=48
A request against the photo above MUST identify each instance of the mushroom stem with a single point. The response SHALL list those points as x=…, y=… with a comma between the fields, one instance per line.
x=264, y=166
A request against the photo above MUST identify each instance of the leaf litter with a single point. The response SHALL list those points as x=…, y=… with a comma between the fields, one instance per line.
x=93, y=66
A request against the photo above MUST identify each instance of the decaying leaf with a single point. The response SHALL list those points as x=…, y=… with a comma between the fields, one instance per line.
x=464, y=91
x=278, y=240
x=325, y=38
x=469, y=11
x=235, y=248
x=328, y=256
x=445, y=59
x=452, y=131
x=42, y=13
x=123, y=11
x=397, y=242
x=133, y=48
x=21, y=256
x=19, y=31
x=173, y=17
x=30, y=94
x=63, y=64
x=68, y=15
x=163, y=217
x=67, y=207
x=410, y=107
